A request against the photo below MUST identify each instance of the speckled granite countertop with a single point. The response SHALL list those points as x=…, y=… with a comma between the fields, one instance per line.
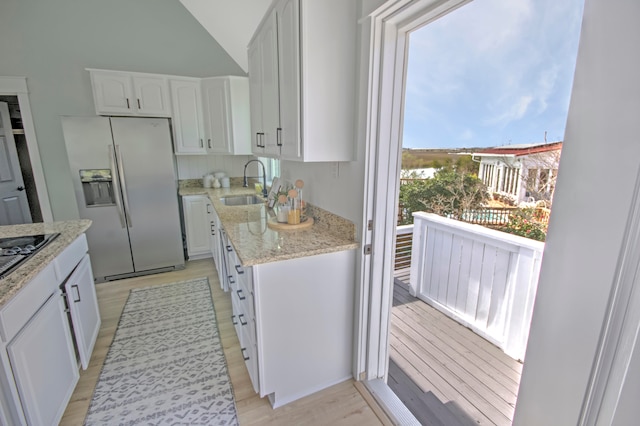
x=69, y=231
x=256, y=243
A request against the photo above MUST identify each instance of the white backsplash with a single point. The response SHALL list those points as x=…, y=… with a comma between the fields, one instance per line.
x=195, y=166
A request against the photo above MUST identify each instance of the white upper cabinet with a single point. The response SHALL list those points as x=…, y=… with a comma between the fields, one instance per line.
x=209, y=115
x=226, y=115
x=186, y=101
x=126, y=93
x=152, y=96
x=263, y=88
x=302, y=82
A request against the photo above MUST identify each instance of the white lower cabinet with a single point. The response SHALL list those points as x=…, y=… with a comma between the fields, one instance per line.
x=38, y=364
x=294, y=322
x=44, y=364
x=196, y=223
x=82, y=301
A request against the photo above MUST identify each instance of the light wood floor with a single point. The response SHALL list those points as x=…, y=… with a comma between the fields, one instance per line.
x=347, y=403
x=434, y=358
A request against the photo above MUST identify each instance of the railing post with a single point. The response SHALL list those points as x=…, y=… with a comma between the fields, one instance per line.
x=418, y=249
x=520, y=302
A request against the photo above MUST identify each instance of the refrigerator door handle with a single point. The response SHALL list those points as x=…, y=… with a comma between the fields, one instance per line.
x=116, y=189
x=123, y=184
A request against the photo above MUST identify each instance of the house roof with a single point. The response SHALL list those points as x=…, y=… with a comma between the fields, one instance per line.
x=519, y=150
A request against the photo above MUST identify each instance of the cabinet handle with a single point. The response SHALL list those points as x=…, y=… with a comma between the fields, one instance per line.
x=231, y=280
x=258, y=140
x=239, y=269
x=209, y=143
x=240, y=296
x=201, y=144
x=229, y=248
x=233, y=320
x=213, y=231
x=139, y=107
x=208, y=211
x=279, y=136
x=77, y=291
x=242, y=322
x=246, y=358
x=128, y=106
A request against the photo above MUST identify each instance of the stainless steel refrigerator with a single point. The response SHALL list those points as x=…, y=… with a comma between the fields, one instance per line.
x=125, y=181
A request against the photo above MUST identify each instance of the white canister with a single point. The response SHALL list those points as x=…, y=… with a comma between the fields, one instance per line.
x=282, y=214
x=219, y=175
x=225, y=182
x=207, y=181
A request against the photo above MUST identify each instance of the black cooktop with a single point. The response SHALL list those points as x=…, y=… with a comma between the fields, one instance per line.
x=15, y=250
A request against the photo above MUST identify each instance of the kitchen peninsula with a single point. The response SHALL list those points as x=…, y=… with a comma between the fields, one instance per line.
x=39, y=358
x=292, y=293
x=69, y=231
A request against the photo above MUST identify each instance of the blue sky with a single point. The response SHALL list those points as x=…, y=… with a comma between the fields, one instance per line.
x=493, y=72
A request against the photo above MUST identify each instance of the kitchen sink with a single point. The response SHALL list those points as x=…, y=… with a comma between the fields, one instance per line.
x=241, y=200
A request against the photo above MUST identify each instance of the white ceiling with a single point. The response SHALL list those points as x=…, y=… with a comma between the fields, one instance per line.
x=230, y=23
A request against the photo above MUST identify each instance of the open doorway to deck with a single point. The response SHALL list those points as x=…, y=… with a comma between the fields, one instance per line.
x=434, y=363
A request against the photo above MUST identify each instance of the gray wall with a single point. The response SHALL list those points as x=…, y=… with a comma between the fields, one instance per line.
x=592, y=201
x=52, y=42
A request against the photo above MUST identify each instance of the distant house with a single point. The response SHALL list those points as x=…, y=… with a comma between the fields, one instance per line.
x=520, y=172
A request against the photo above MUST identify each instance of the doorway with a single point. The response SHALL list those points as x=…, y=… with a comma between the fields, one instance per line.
x=19, y=200
x=391, y=30
x=14, y=92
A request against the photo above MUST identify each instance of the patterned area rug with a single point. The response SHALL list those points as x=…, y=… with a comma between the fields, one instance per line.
x=166, y=364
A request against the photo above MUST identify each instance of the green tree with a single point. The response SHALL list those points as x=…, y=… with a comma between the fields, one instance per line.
x=449, y=193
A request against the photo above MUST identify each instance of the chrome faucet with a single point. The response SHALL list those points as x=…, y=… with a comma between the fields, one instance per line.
x=264, y=177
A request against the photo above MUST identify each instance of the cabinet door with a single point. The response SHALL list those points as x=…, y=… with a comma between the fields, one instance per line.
x=214, y=244
x=196, y=224
x=270, y=103
x=44, y=364
x=217, y=105
x=187, y=116
x=83, y=306
x=112, y=93
x=255, y=97
x=152, y=96
x=289, y=78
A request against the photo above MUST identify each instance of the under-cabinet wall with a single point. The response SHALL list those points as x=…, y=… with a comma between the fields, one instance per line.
x=195, y=166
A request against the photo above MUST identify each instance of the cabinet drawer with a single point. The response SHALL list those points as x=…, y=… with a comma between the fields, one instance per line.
x=243, y=318
x=66, y=261
x=29, y=299
x=245, y=276
x=245, y=299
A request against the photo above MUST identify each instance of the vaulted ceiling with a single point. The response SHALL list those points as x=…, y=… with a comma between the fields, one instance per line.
x=230, y=23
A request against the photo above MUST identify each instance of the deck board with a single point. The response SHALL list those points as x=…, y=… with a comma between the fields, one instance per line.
x=447, y=362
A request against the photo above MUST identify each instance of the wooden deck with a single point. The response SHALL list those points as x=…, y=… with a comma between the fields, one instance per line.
x=441, y=370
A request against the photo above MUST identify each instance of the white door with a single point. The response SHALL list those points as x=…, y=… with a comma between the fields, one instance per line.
x=269, y=86
x=255, y=96
x=113, y=93
x=187, y=116
x=152, y=96
x=83, y=307
x=44, y=364
x=197, y=224
x=289, y=79
x=14, y=206
x=216, y=115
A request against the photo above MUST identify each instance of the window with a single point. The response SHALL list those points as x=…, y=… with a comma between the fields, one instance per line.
x=272, y=167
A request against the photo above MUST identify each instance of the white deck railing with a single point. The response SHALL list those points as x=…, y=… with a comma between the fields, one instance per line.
x=482, y=278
